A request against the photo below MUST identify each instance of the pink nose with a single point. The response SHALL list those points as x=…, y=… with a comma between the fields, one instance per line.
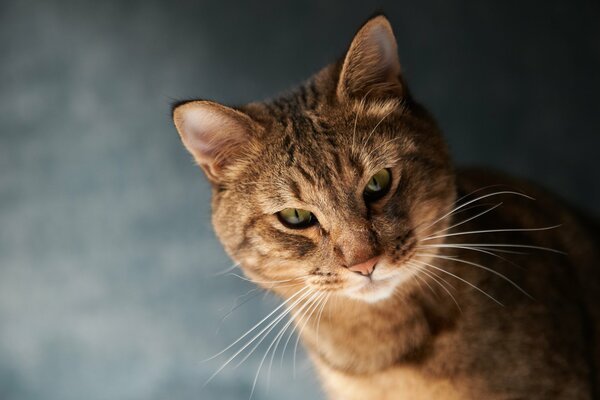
x=366, y=267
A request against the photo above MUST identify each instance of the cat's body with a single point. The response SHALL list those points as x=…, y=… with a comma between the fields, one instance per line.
x=525, y=349
x=341, y=198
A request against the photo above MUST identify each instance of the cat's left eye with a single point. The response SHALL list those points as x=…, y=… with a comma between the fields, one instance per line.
x=296, y=218
x=378, y=185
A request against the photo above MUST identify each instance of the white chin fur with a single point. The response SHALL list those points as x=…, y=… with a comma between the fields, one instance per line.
x=374, y=291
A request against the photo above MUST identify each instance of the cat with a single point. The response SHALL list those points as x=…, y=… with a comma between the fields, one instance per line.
x=408, y=278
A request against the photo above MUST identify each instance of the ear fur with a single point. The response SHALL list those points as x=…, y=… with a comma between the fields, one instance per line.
x=371, y=66
x=214, y=134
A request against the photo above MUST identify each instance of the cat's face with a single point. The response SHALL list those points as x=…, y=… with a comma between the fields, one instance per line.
x=330, y=186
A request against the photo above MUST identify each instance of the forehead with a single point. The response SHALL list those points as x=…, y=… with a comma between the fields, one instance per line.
x=335, y=133
x=325, y=160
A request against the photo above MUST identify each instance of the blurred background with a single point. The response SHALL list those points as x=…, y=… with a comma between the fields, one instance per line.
x=107, y=256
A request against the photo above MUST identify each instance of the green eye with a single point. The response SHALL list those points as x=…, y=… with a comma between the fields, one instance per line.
x=296, y=218
x=378, y=185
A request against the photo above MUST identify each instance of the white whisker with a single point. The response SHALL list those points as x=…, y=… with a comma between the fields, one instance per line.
x=460, y=279
x=483, y=251
x=312, y=299
x=474, y=200
x=420, y=278
x=491, y=231
x=435, y=279
x=320, y=313
x=306, y=319
x=221, y=273
x=265, y=282
x=270, y=325
x=356, y=120
x=490, y=245
x=273, y=325
x=236, y=306
x=387, y=142
x=374, y=129
x=465, y=221
x=299, y=319
x=478, y=266
x=259, y=323
x=481, y=189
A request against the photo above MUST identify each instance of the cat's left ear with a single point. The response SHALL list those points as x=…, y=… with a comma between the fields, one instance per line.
x=217, y=136
x=371, y=67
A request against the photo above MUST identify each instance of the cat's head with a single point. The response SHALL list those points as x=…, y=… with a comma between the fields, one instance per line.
x=329, y=186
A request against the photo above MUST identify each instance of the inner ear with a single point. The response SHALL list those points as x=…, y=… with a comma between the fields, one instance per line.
x=371, y=66
x=217, y=136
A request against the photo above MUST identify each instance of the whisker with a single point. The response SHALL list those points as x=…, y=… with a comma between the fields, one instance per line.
x=387, y=142
x=420, y=278
x=280, y=335
x=434, y=275
x=545, y=228
x=466, y=220
x=460, y=279
x=273, y=325
x=486, y=245
x=507, y=279
x=291, y=333
x=481, y=189
x=312, y=299
x=483, y=251
x=270, y=325
x=236, y=306
x=435, y=279
x=475, y=248
x=258, y=324
x=265, y=282
x=360, y=107
x=320, y=314
x=298, y=337
x=221, y=273
x=375, y=128
x=474, y=200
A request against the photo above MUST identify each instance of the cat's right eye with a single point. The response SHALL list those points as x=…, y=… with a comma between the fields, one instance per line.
x=296, y=218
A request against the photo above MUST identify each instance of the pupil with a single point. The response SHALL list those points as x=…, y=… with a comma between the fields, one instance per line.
x=374, y=184
x=296, y=214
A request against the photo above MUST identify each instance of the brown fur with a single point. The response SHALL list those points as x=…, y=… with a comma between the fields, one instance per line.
x=436, y=336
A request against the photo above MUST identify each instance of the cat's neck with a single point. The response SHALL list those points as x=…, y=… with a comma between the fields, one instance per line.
x=358, y=337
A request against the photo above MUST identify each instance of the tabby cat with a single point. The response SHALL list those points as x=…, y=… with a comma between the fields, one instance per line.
x=406, y=278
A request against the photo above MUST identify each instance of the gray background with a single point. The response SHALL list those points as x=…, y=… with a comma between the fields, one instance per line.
x=106, y=250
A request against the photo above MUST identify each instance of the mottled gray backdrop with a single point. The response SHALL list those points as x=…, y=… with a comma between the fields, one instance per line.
x=106, y=252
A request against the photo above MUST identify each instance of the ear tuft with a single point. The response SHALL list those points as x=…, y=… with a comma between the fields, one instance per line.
x=371, y=66
x=214, y=134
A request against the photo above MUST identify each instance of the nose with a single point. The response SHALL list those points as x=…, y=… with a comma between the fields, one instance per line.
x=366, y=267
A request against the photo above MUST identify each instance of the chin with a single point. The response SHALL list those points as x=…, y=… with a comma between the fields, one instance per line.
x=377, y=289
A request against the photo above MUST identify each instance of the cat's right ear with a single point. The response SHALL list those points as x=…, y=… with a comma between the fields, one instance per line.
x=214, y=134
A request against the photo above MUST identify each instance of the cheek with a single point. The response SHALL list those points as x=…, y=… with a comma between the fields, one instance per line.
x=426, y=213
x=270, y=252
x=287, y=245
x=392, y=223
